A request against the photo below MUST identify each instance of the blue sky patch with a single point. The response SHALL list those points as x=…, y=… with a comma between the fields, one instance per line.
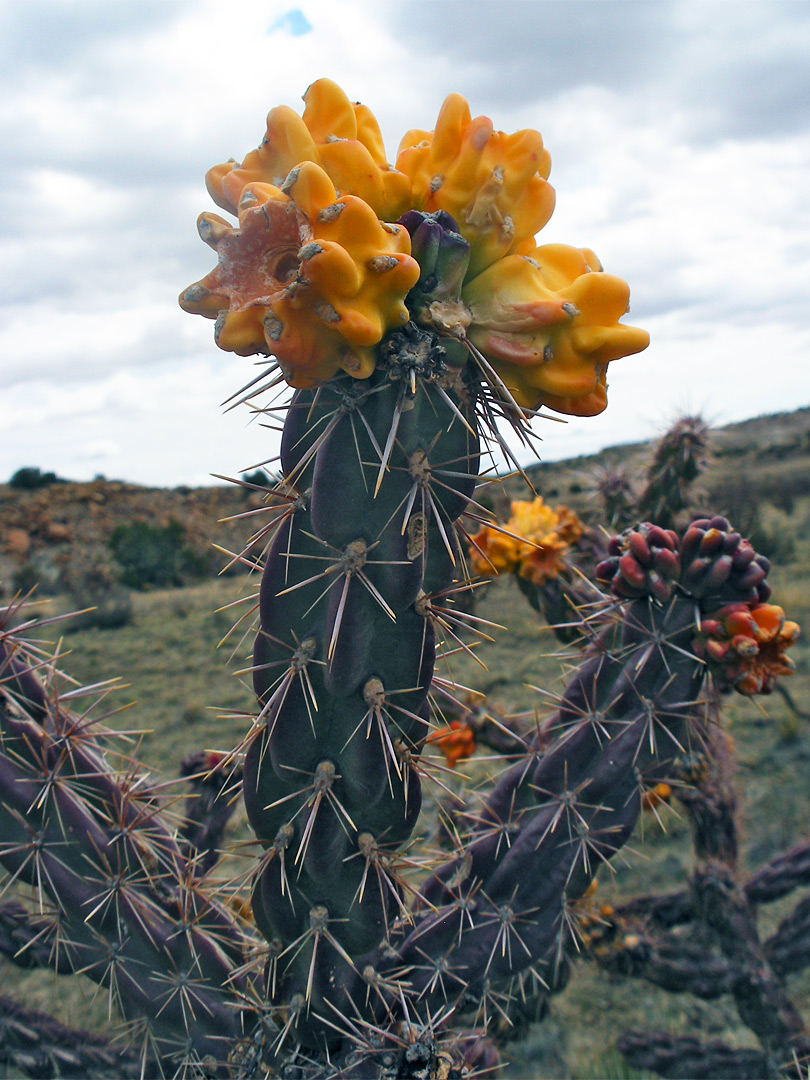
x=293, y=22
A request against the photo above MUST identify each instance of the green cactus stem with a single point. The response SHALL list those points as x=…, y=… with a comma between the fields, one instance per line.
x=381, y=470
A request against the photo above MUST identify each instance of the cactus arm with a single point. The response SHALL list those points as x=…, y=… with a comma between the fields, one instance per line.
x=38, y=1045
x=130, y=912
x=676, y=1056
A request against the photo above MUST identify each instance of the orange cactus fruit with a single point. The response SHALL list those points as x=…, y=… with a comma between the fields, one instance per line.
x=747, y=644
x=494, y=185
x=549, y=322
x=456, y=741
x=661, y=793
x=312, y=277
x=341, y=136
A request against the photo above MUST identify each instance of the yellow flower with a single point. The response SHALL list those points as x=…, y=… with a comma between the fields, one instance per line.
x=493, y=552
x=533, y=520
x=541, y=525
x=532, y=543
x=311, y=277
x=493, y=184
x=342, y=137
x=549, y=323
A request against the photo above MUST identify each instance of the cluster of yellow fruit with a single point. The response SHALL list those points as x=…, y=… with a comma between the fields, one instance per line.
x=318, y=269
x=532, y=544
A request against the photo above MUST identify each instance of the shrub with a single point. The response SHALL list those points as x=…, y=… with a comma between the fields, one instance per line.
x=89, y=580
x=258, y=478
x=154, y=555
x=30, y=477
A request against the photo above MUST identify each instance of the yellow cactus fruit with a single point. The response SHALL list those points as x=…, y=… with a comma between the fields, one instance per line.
x=549, y=323
x=342, y=137
x=494, y=185
x=313, y=278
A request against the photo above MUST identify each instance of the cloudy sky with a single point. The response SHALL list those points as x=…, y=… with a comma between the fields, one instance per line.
x=680, y=140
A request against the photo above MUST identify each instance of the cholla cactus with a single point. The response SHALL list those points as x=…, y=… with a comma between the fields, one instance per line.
x=410, y=309
x=118, y=898
x=679, y=458
x=437, y=323
x=667, y=493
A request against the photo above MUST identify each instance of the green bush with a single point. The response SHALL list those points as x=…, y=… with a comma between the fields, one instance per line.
x=154, y=555
x=30, y=477
x=110, y=608
x=259, y=478
x=89, y=581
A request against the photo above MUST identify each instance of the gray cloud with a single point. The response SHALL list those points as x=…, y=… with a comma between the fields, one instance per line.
x=741, y=66
x=529, y=50
x=50, y=33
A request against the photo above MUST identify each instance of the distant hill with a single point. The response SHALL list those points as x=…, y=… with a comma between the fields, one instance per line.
x=41, y=530
x=766, y=458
